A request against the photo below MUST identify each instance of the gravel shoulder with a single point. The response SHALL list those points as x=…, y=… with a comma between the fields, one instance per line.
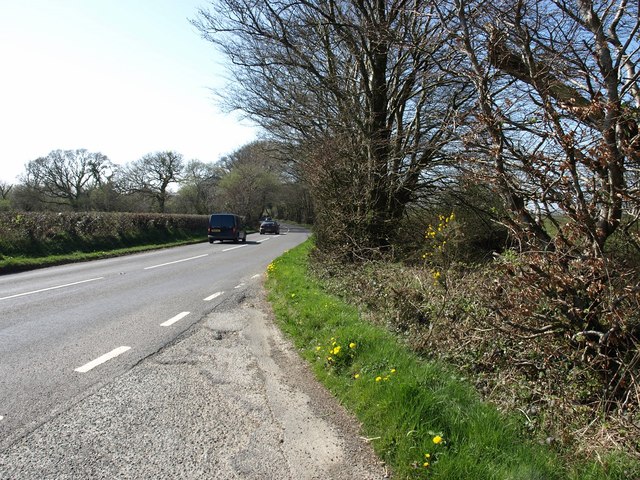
x=229, y=399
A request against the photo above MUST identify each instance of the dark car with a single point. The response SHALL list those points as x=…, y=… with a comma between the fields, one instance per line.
x=226, y=226
x=269, y=226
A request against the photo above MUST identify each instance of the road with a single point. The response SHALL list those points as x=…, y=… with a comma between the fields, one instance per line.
x=163, y=365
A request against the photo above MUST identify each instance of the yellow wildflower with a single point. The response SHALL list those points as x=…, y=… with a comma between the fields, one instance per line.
x=378, y=379
x=437, y=439
x=352, y=345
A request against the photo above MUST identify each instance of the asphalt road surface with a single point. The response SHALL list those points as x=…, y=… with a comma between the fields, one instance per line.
x=164, y=365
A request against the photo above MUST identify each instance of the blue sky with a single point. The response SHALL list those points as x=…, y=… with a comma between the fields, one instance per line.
x=120, y=77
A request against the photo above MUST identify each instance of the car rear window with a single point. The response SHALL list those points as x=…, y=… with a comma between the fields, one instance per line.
x=221, y=221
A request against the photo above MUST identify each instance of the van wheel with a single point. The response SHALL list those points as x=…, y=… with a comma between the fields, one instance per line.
x=210, y=241
x=244, y=239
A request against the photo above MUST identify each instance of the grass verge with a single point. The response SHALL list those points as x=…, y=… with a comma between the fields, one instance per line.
x=23, y=263
x=423, y=420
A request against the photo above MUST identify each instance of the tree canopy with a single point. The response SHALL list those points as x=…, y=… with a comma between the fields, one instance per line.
x=354, y=80
x=64, y=177
x=151, y=175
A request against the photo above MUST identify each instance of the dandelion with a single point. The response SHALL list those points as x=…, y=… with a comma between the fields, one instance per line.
x=393, y=370
x=357, y=375
x=378, y=379
x=336, y=350
x=329, y=359
x=427, y=455
x=352, y=345
x=293, y=295
x=318, y=348
x=425, y=464
x=437, y=439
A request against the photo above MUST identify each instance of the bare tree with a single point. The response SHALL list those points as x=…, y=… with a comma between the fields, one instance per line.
x=251, y=180
x=558, y=97
x=65, y=177
x=555, y=131
x=198, y=186
x=366, y=73
x=151, y=176
x=5, y=190
x=5, y=199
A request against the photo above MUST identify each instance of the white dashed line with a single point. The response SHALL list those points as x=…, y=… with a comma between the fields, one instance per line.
x=51, y=288
x=173, y=320
x=239, y=286
x=257, y=275
x=264, y=240
x=100, y=360
x=233, y=248
x=211, y=297
x=177, y=261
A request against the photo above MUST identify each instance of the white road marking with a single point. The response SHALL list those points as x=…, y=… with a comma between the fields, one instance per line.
x=51, y=288
x=211, y=297
x=257, y=275
x=233, y=248
x=239, y=286
x=1, y=417
x=264, y=240
x=176, y=261
x=100, y=360
x=173, y=320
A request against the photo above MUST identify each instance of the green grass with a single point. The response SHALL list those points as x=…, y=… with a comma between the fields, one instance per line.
x=21, y=263
x=404, y=402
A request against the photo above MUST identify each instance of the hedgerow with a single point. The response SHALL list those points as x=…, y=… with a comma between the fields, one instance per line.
x=33, y=234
